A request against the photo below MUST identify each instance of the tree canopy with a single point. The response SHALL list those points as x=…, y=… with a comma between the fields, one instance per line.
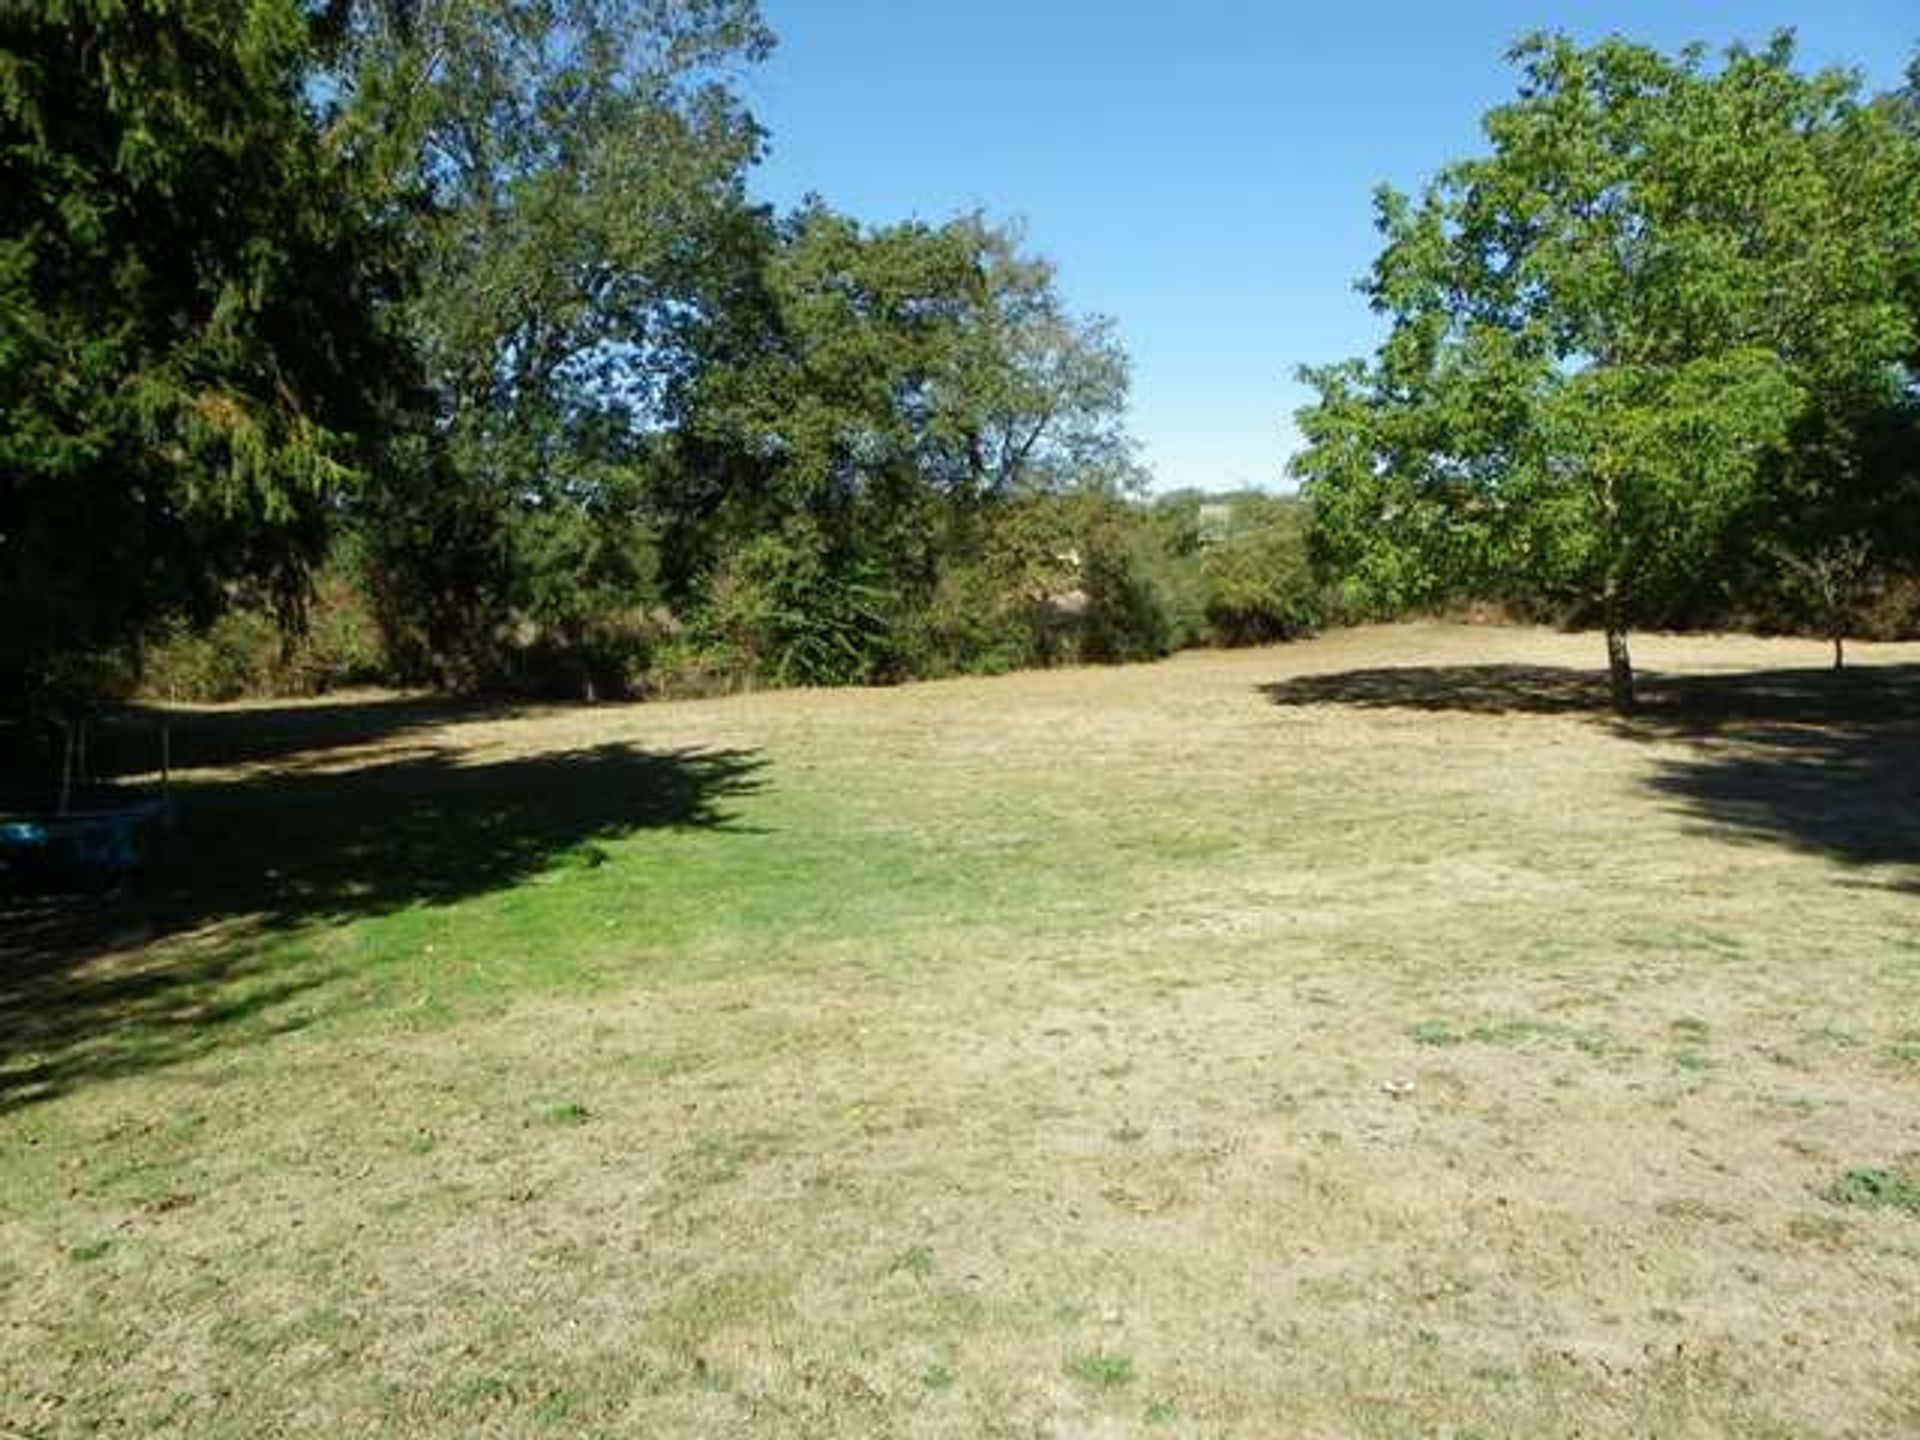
x=194, y=364
x=468, y=310
x=1612, y=337
x=479, y=287
x=898, y=380
x=571, y=174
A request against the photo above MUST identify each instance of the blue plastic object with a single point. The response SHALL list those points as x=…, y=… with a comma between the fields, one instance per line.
x=106, y=842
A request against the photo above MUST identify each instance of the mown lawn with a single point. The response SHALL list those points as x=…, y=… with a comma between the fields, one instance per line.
x=1367, y=1037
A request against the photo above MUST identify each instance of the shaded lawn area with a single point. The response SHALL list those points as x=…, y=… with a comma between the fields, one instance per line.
x=290, y=820
x=1820, y=759
x=1363, y=1037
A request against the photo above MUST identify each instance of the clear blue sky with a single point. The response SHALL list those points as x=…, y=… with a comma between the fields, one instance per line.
x=1199, y=171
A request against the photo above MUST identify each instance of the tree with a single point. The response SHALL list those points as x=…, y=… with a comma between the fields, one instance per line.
x=194, y=360
x=1905, y=102
x=1258, y=575
x=1841, y=508
x=572, y=175
x=1833, y=581
x=1606, y=333
x=1038, y=395
x=878, y=397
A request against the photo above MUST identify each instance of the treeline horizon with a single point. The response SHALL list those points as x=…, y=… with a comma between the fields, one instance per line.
x=444, y=345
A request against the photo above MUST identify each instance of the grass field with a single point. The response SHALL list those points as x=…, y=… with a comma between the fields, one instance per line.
x=1362, y=1038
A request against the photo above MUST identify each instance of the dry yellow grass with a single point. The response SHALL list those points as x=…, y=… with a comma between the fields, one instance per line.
x=1360, y=1038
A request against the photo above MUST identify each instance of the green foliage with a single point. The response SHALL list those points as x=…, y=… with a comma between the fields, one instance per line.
x=582, y=579
x=484, y=289
x=480, y=289
x=1613, y=337
x=572, y=170
x=978, y=621
x=193, y=363
x=885, y=377
x=898, y=396
x=782, y=610
x=1260, y=583
x=1904, y=104
x=1125, y=618
x=237, y=654
x=250, y=651
x=1232, y=569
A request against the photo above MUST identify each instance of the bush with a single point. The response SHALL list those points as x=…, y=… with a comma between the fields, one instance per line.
x=1260, y=587
x=238, y=655
x=781, y=609
x=978, y=621
x=1167, y=552
x=341, y=642
x=605, y=656
x=247, y=653
x=1894, y=611
x=1125, y=617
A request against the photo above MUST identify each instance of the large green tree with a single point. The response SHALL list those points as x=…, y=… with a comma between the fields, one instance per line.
x=571, y=176
x=1615, y=338
x=193, y=361
x=855, y=427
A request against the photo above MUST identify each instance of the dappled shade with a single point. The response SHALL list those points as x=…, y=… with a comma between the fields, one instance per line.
x=306, y=844
x=1848, y=790
x=1477, y=689
x=316, y=836
x=1878, y=693
x=1821, y=760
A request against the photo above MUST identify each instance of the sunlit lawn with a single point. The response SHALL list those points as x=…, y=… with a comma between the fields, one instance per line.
x=1286, y=1042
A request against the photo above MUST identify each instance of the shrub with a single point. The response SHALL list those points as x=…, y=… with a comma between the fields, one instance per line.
x=1125, y=617
x=248, y=653
x=1260, y=587
x=603, y=656
x=780, y=608
x=235, y=656
x=978, y=621
x=341, y=643
x=1893, y=613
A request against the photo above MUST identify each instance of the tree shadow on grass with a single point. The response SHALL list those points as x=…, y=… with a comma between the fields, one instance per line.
x=1850, y=790
x=129, y=741
x=323, y=833
x=1821, y=760
x=1471, y=689
x=1667, y=701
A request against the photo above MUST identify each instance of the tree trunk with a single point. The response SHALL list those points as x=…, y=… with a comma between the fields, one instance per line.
x=1620, y=671
x=976, y=464
x=1839, y=651
x=1613, y=601
x=66, y=766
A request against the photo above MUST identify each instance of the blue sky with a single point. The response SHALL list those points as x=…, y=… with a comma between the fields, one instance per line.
x=1201, y=171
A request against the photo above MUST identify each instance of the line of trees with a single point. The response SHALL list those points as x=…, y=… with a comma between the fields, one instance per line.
x=463, y=305
x=462, y=309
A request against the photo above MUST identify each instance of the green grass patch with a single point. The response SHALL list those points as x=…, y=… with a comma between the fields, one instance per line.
x=915, y=1260
x=1876, y=1190
x=1101, y=1369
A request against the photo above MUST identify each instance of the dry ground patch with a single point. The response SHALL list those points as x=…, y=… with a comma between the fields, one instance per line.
x=1366, y=1037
